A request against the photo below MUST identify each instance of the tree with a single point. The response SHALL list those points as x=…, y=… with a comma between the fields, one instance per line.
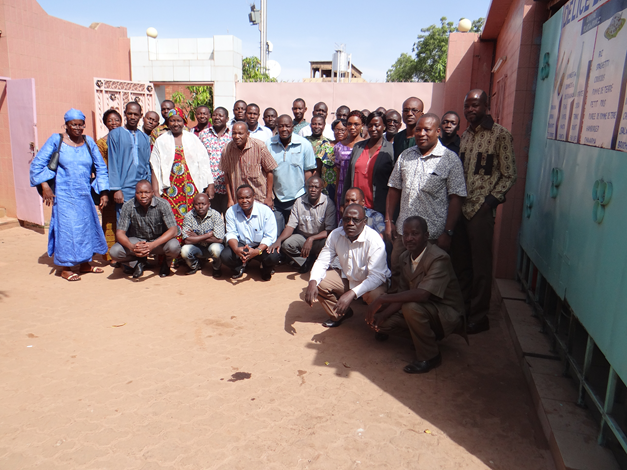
x=430, y=51
x=251, y=71
x=200, y=96
x=403, y=70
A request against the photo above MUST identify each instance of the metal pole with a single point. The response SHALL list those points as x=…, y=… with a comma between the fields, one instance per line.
x=263, y=27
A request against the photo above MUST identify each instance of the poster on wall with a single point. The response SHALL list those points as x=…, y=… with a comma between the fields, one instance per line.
x=588, y=103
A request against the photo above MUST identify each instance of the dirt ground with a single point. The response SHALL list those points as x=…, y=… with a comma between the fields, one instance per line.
x=197, y=373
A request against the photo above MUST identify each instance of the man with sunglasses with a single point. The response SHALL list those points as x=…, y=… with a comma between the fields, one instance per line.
x=363, y=268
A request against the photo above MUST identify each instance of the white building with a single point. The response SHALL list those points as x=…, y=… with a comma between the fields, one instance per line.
x=194, y=61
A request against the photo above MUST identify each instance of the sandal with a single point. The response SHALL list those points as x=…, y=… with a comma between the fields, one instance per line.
x=88, y=268
x=70, y=275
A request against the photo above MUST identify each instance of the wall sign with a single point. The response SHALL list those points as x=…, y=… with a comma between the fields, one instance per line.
x=588, y=104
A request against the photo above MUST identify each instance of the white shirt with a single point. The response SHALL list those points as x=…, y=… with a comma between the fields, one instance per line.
x=363, y=262
x=262, y=133
x=416, y=262
x=327, y=132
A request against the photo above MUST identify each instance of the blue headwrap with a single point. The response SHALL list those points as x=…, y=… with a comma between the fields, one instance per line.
x=73, y=114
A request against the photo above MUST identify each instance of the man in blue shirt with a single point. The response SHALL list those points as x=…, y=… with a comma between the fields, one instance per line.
x=250, y=230
x=129, y=157
x=296, y=163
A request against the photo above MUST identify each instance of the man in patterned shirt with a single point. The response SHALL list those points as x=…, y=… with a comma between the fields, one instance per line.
x=325, y=159
x=203, y=233
x=487, y=153
x=215, y=139
x=428, y=179
x=146, y=226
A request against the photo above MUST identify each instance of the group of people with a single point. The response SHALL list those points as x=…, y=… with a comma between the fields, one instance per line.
x=401, y=218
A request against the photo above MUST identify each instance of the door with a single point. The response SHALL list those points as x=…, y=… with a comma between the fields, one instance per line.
x=23, y=131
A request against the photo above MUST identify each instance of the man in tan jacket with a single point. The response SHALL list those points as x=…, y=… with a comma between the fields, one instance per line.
x=428, y=301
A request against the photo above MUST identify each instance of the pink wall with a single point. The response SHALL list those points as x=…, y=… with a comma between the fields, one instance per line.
x=519, y=39
x=63, y=58
x=354, y=95
x=468, y=66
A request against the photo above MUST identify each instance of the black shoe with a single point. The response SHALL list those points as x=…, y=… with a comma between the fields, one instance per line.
x=381, y=337
x=266, y=273
x=127, y=269
x=165, y=269
x=422, y=367
x=193, y=270
x=305, y=268
x=217, y=273
x=237, y=272
x=139, y=268
x=336, y=323
x=472, y=328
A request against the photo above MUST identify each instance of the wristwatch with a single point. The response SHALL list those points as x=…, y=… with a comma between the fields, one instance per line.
x=260, y=252
x=450, y=232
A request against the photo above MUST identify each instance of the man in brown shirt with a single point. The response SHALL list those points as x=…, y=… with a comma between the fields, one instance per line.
x=247, y=161
x=428, y=301
x=487, y=153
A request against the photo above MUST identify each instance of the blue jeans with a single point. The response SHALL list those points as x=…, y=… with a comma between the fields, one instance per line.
x=191, y=253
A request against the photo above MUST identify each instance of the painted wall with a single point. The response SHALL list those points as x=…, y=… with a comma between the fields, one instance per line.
x=63, y=58
x=582, y=260
x=354, y=95
x=468, y=66
x=216, y=60
x=519, y=40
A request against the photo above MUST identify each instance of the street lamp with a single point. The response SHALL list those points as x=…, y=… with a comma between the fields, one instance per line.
x=260, y=17
x=464, y=25
x=151, y=33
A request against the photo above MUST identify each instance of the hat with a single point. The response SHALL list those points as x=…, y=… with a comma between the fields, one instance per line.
x=74, y=114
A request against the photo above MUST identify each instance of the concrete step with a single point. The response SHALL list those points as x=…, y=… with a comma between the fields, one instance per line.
x=8, y=222
x=570, y=430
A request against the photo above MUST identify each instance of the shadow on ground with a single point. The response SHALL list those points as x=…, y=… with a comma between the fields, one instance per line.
x=478, y=396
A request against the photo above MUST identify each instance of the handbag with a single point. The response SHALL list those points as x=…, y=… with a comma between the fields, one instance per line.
x=94, y=195
x=53, y=164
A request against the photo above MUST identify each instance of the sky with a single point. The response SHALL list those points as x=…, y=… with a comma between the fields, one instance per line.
x=375, y=33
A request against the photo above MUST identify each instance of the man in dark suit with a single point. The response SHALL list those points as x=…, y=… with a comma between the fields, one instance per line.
x=428, y=301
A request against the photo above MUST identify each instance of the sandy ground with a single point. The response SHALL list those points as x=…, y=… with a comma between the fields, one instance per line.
x=196, y=373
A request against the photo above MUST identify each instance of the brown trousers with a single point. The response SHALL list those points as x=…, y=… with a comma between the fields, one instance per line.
x=424, y=325
x=333, y=286
x=471, y=255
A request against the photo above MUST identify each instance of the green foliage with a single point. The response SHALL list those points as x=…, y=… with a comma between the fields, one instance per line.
x=403, y=70
x=251, y=71
x=430, y=51
x=200, y=96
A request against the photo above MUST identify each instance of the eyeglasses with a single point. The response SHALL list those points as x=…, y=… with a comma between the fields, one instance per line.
x=412, y=110
x=77, y=126
x=354, y=220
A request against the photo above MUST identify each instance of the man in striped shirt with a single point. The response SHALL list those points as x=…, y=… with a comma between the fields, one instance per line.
x=247, y=161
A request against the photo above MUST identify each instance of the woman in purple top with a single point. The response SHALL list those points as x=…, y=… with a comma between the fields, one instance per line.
x=343, y=150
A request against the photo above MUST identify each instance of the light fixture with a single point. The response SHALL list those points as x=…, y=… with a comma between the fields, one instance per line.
x=464, y=25
x=499, y=63
x=151, y=33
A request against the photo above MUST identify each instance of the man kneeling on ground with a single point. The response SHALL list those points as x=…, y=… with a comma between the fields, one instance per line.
x=146, y=227
x=364, y=272
x=203, y=233
x=250, y=230
x=428, y=303
x=311, y=220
